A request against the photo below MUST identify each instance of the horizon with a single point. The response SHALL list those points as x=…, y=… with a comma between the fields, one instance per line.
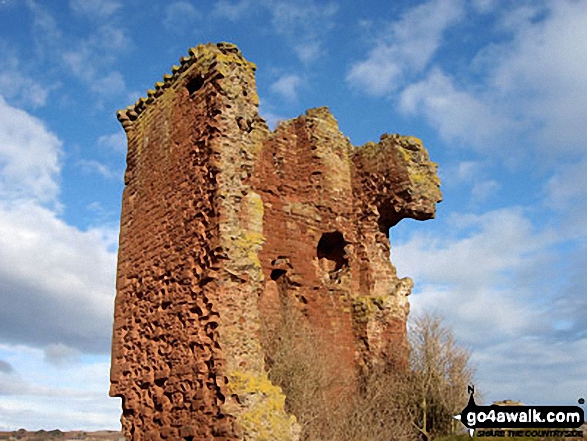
x=496, y=92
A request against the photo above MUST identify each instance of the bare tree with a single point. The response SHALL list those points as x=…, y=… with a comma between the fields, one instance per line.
x=440, y=374
x=389, y=403
x=301, y=363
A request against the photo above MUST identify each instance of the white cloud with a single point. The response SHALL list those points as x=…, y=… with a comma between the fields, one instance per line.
x=459, y=116
x=66, y=414
x=534, y=371
x=268, y=113
x=568, y=186
x=6, y=3
x=16, y=82
x=29, y=156
x=14, y=385
x=41, y=395
x=23, y=89
x=528, y=90
x=232, y=10
x=86, y=64
x=290, y=18
x=569, y=307
x=485, y=6
x=11, y=384
x=472, y=277
x=109, y=39
x=88, y=57
x=484, y=189
x=540, y=73
x=48, y=294
x=272, y=119
x=6, y=367
x=287, y=86
x=308, y=51
x=566, y=193
x=46, y=33
x=406, y=48
x=93, y=166
x=303, y=23
x=29, y=375
x=77, y=63
x=513, y=19
x=106, y=221
x=468, y=169
x=115, y=142
x=59, y=354
x=111, y=84
x=95, y=8
x=180, y=15
x=462, y=172
x=494, y=277
x=50, y=301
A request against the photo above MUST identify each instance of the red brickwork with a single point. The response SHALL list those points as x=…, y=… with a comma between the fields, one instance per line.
x=221, y=219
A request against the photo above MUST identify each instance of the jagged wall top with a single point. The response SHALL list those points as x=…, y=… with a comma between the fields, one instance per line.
x=207, y=55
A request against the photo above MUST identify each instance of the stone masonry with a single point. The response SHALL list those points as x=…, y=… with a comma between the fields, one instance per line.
x=221, y=219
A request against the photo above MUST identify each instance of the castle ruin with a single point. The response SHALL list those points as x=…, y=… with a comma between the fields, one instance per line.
x=221, y=220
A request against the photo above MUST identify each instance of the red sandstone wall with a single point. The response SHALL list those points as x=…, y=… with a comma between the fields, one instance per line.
x=186, y=271
x=166, y=359
x=221, y=220
x=304, y=180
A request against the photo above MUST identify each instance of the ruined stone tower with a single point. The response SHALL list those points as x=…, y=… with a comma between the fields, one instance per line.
x=221, y=220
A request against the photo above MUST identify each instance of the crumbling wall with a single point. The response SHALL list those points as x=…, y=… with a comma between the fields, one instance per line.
x=393, y=179
x=221, y=219
x=304, y=179
x=185, y=359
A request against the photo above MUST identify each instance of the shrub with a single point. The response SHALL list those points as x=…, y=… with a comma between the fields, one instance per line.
x=384, y=402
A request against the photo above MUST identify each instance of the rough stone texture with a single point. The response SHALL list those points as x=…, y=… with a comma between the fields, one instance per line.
x=221, y=219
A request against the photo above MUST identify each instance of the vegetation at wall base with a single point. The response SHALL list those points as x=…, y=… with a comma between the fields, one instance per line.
x=385, y=402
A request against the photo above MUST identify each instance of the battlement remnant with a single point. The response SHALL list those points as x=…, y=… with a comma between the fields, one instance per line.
x=221, y=219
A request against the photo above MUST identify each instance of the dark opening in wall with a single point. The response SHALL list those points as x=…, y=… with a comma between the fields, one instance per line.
x=388, y=218
x=194, y=84
x=277, y=273
x=331, y=247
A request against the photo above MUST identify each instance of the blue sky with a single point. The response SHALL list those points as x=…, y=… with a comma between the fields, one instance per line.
x=496, y=89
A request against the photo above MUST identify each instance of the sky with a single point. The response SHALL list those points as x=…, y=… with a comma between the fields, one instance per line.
x=495, y=89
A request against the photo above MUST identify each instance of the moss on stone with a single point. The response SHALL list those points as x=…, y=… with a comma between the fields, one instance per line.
x=264, y=418
x=364, y=307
